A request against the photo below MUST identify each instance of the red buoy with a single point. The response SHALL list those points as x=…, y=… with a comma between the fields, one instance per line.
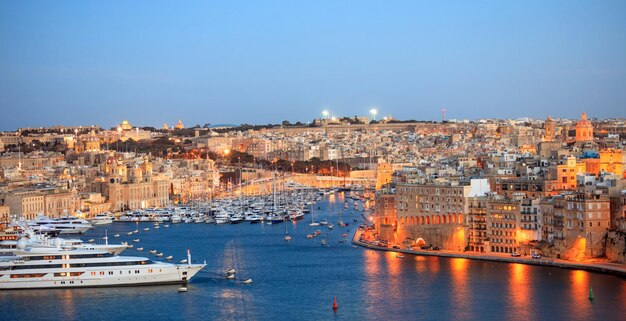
x=335, y=306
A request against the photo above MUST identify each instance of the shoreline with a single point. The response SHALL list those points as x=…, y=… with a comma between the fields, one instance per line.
x=604, y=268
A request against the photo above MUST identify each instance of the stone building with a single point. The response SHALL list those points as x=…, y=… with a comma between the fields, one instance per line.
x=385, y=219
x=477, y=224
x=502, y=225
x=435, y=212
x=25, y=204
x=581, y=221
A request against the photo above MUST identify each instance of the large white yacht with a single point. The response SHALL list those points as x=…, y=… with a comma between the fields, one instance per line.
x=102, y=219
x=65, y=224
x=34, y=268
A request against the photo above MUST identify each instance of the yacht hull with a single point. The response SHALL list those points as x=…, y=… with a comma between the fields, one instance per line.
x=114, y=276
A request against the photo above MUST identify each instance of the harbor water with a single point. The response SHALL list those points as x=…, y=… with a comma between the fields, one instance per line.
x=297, y=280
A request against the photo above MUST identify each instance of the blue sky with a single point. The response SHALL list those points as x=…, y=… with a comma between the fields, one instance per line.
x=98, y=62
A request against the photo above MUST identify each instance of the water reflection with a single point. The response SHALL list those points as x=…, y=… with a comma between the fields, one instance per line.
x=393, y=264
x=373, y=285
x=420, y=263
x=67, y=302
x=520, y=291
x=580, y=292
x=461, y=292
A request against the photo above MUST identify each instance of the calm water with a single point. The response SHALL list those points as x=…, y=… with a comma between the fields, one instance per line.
x=297, y=281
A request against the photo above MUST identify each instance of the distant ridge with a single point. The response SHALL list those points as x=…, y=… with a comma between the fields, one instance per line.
x=222, y=125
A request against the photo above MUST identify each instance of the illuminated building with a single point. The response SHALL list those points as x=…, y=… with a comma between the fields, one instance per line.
x=566, y=173
x=502, y=225
x=584, y=130
x=477, y=224
x=436, y=212
x=385, y=218
x=179, y=125
x=580, y=223
x=125, y=125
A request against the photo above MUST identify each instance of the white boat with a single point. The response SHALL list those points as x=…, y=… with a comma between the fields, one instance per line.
x=159, y=254
x=147, y=229
x=222, y=218
x=65, y=224
x=140, y=249
x=117, y=235
x=169, y=258
x=35, y=268
x=236, y=219
x=136, y=240
x=248, y=281
x=152, y=251
x=102, y=219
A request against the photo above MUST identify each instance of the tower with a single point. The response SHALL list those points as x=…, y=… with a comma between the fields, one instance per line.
x=443, y=115
x=584, y=130
x=548, y=126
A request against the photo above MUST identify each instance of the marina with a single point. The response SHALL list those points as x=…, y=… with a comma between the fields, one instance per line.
x=301, y=273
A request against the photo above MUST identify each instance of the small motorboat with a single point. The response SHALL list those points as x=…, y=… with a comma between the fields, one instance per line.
x=309, y=236
x=156, y=227
x=166, y=225
x=248, y=281
x=91, y=240
x=130, y=246
x=183, y=261
x=147, y=229
x=152, y=251
x=230, y=277
x=231, y=271
x=136, y=240
x=287, y=238
x=323, y=242
x=136, y=231
x=169, y=258
x=129, y=233
x=182, y=289
x=159, y=254
x=116, y=235
x=140, y=249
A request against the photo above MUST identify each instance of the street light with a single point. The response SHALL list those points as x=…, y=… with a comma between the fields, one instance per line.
x=374, y=112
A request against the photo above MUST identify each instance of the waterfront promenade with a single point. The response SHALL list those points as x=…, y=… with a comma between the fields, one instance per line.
x=600, y=267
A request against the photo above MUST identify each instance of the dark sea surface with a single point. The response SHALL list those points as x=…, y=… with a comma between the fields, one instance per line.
x=297, y=280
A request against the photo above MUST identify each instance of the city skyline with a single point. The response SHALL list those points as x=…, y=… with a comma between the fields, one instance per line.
x=80, y=63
